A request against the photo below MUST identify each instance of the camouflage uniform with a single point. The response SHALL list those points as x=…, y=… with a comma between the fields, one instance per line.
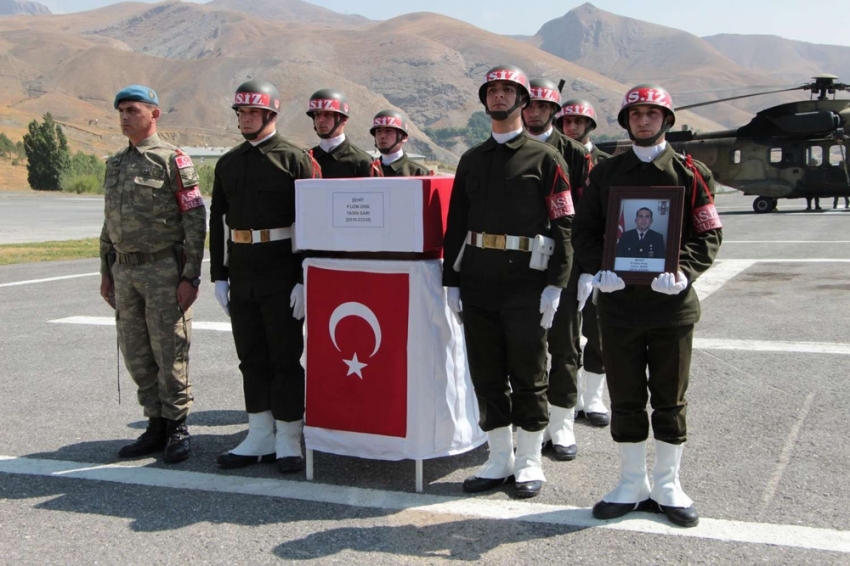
x=155, y=245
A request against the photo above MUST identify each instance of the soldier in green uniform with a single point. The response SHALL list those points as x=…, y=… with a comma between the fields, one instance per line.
x=338, y=157
x=576, y=120
x=389, y=128
x=257, y=277
x=151, y=249
x=563, y=338
x=649, y=327
x=507, y=258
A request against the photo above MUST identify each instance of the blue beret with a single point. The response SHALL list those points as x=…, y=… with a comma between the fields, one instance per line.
x=136, y=93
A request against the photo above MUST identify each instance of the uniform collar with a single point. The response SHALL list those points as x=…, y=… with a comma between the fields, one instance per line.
x=513, y=143
x=331, y=144
x=151, y=141
x=544, y=137
x=391, y=158
x=661, y=161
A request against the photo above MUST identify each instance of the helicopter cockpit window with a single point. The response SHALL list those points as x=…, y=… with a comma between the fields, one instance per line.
x=735, y=156
x=814, y=156
x=836, y=157
x=776, y=155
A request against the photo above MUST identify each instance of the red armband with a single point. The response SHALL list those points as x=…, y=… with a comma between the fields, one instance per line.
x=560, y=204
x=190, y=198
x=706, y=218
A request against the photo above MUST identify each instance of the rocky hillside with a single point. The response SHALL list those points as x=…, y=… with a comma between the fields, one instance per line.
x=22, y=7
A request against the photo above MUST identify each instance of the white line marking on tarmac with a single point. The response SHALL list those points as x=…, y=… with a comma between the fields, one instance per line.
x=785, y=456
x=31, y=281
x=110, y=321
x=713, y=529
x=772, y=346
x=719, y=273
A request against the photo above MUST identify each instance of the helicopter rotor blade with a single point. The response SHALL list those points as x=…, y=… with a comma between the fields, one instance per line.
x=689, y=106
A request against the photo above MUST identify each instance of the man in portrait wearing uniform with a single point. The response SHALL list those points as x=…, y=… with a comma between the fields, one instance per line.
x=507, y=259
x=576, y=120
x=338, y=157
x=649, y=327
x=389, y=128
x=641, y=241
x=563, y=337
x=151, y=249
x=257, y=274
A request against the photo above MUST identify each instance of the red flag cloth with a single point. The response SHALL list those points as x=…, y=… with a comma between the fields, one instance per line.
x=621, y=226
x=357, y=351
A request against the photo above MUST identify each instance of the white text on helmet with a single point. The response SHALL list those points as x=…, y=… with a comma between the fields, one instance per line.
x=647, y=95
x=251, y=98
x=386, y=121
x=324, y=104
x=504, y=75
x=539, y=93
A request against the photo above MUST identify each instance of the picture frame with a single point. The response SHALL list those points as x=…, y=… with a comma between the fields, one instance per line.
x=643, y=232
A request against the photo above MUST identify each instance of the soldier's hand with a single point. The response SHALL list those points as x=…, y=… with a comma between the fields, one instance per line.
x=453, y=300
x=585, y=289
x=549, y=301
x=670, y=284
x=107, y=290
x=608, y=282
x=222, y=295
x=296, y=301
x=186, y=295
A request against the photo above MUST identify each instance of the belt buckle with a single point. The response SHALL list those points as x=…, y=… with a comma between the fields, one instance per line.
x=265, y=236
x=494, y=241
x=242, y=236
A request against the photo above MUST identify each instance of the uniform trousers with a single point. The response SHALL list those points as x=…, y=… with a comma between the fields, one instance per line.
x=592, y=358
x=628, y=352
x=506, y=352
x=565, y=349
x=154, y=336
x=269, y=343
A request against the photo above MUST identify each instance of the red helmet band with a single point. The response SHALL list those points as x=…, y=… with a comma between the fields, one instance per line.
x=387, y=122
x=258, y=99
x=326, y=105
x=657, y=97
x=545, y=94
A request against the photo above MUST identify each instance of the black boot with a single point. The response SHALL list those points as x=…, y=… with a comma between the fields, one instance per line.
x=152, y=440
x=177, y=448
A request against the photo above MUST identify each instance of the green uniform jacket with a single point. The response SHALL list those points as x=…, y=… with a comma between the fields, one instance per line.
x=404, y=167
x=598, y=155
x=502, y=189
x=141, y=209
x=254, y=189
x=345, y=161
x=638, y=306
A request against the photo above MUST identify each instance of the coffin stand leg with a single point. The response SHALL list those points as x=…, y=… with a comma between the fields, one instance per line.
x=309, y=465
x=419, y=476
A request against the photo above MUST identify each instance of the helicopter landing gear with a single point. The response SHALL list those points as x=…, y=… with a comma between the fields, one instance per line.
x=764, y=204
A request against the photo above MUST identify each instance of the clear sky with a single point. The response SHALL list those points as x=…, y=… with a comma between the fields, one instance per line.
x=819, y=21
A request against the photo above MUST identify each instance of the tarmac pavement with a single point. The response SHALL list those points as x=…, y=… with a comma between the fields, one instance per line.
x=766, y=460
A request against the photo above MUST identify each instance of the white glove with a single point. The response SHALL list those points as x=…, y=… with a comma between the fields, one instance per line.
x=453, y=299
x=585, y=289
x=549, y=301
x=608, y=282
x=296, y=301
x=670, y=284
x=222, y=295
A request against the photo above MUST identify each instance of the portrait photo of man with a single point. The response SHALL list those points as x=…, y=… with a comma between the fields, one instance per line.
x=642, y=235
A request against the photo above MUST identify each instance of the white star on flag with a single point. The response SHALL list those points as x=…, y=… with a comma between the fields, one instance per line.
x=354, y=366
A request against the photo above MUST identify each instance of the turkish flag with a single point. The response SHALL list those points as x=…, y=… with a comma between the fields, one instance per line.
x=357, y=351
x=621, y=226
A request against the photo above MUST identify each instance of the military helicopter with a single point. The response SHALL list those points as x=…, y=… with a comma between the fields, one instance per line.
x=793, y=150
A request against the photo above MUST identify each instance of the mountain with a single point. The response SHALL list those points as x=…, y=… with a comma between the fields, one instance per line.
x=633, y=51
x=786, y=60
x=293, y=12
x=19, y=7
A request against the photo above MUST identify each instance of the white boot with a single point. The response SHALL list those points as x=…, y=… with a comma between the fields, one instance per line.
x=288, y=439
x=666, y=489
x=529, y=461
x=561, y=431
x=260, y=440
x=500, y=463
x=634, y=483
x=580, y=391
x=593, y=393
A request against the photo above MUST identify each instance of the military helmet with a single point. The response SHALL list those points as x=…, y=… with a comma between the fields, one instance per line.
x=649, y=94
x=389, y=119
x=328, y=100
x=545, y=90
x=578, y=107
x=257, y=94
x=510, y=73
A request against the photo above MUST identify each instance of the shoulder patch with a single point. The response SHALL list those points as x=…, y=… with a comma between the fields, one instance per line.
x=183, y=161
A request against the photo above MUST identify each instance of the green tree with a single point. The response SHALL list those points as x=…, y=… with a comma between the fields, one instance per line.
x=84, y=174
x=479, y=127
x=206, y=177
x=47, y=154
x=7, y=146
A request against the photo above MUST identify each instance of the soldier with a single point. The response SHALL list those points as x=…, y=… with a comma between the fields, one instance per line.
x=257, y=276
x=563, y=338
x=577, y=119
x=507, y=258
x=151, y=249
x=338, y=157
x=389, y=128
x=649, y=327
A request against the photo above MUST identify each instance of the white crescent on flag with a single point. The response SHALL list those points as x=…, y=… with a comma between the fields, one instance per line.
x=359, y=310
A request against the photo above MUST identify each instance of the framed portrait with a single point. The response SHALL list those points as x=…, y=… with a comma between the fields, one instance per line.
x=643, y=232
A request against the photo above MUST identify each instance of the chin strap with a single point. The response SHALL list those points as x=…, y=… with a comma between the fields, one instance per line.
x=337, y=120
x=394, y=147
x=649, y=142
x=250, y=136
x=502, y=115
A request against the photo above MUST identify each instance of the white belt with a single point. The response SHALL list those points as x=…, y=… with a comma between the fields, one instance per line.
x=260, y=236
x=499, y=241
